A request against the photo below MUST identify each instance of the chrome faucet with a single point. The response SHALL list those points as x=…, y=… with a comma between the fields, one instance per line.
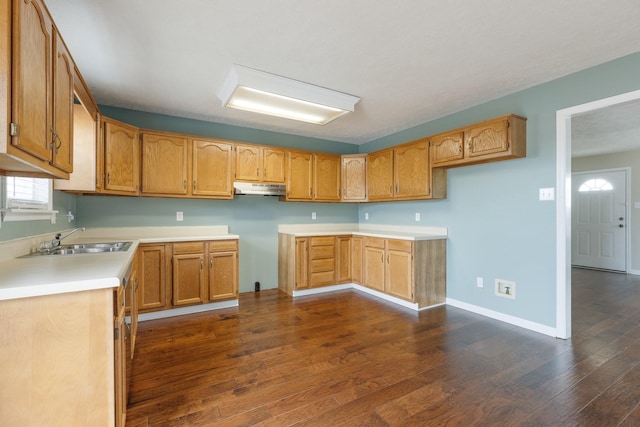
x=55, y=242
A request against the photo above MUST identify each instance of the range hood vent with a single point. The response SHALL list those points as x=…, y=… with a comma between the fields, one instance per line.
x=249, y=188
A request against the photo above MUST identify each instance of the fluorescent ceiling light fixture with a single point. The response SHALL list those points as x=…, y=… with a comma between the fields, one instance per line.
x=259, y=92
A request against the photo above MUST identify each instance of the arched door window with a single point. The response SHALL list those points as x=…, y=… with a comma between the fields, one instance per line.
x=596, y=184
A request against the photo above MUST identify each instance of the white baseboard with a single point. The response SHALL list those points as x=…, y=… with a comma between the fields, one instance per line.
x=635, y=272
x=187, y=310
x=378, y=294
x=526, y=324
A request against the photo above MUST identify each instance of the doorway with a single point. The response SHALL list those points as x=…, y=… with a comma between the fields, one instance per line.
x=563, y=204
x=598, y=219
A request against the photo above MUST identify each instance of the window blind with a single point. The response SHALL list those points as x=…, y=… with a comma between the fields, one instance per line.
x=27, y=193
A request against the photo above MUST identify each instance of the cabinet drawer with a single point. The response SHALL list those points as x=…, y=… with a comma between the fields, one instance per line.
x=374, y=242
x=322, y=278
x=223, y=245
x=316, y=265
x=188, y=248
x=400, y=245
x=319, y=252
x=322, y=240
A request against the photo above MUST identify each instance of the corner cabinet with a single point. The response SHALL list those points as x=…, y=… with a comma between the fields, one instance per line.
x=354, y=178
x=37, y=98
x=493, y=140
x=404, y=173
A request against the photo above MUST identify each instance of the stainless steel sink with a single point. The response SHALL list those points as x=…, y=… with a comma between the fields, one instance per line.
x=85, y=248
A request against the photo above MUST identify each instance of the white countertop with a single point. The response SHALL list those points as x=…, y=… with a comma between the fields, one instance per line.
x=371, y=230
x=22, y=277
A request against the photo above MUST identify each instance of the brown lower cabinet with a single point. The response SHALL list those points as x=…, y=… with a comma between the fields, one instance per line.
x=187, y=273
x=413, y=270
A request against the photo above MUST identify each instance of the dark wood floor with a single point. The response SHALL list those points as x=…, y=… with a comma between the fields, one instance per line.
x=347, y=359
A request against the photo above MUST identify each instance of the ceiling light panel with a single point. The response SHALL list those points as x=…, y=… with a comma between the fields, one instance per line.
x=259, y=92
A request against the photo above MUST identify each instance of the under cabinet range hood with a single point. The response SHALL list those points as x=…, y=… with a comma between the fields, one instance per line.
x=257, y=188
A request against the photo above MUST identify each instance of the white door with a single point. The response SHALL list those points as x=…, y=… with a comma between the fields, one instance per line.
x=598, y=220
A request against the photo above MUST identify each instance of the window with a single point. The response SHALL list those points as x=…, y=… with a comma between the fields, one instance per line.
x=27, y=199
x=596, y=184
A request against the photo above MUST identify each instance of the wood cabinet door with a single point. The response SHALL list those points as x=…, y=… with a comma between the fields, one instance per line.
x=31, y=79
x=152, y=269
x=212, y=166
x=302, y=263
x=274, y=165
x=411, y=171
x=223, y=275
x=374, y=267
x=354, y=178
x=188, y=279
x=447, y=148
x=326, y=177
x=487, y=139
x=356, y=259
x=380, y=175
x=343, y=259
x=63, y=72
x=399, y=272
x=121, y=158
x=164, y=164
x=248, y=163
x=299, y=175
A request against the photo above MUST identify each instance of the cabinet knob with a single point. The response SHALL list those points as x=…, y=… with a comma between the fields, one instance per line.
x=621, y=225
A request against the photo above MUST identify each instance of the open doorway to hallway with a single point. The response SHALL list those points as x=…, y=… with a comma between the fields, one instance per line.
x=564, y=207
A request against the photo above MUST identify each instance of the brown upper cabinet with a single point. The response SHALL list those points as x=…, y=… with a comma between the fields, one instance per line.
x=313, y=176
x=326, y=177
x=501, y=138
x=177, y=166
x=403, y=173
x=354, y=178
x=164, y=164
x=259, y=164
x=299, y=175
x=37, y=140
x=121, y=158
x=212, y=165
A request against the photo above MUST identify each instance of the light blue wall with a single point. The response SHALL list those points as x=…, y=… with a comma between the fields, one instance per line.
x=498, y=228
x=254, y=218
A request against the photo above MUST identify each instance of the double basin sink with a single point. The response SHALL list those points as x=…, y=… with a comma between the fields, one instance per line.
x=85, y=248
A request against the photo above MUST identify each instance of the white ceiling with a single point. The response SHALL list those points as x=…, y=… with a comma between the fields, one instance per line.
x=410, y=61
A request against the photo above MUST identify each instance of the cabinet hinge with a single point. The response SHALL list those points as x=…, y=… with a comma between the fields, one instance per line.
x=13, y=129
x=116, y=334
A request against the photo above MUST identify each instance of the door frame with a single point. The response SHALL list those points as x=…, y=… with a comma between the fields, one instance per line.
x=563, y=204
x=627, y=211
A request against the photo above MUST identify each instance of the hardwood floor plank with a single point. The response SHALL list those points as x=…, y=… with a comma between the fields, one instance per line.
x=346, y=359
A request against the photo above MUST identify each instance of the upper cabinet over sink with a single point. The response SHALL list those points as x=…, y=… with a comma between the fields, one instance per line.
x=36, y=100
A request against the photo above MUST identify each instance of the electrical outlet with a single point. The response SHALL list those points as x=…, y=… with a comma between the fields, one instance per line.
x=480, y=282
x=179, y=216
x=313, y=215
x=417, y=216
x=506, y=288
x=366, y=216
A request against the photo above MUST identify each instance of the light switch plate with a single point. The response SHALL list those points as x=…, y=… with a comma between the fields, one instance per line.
x=313, y=215
x=547, y=194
